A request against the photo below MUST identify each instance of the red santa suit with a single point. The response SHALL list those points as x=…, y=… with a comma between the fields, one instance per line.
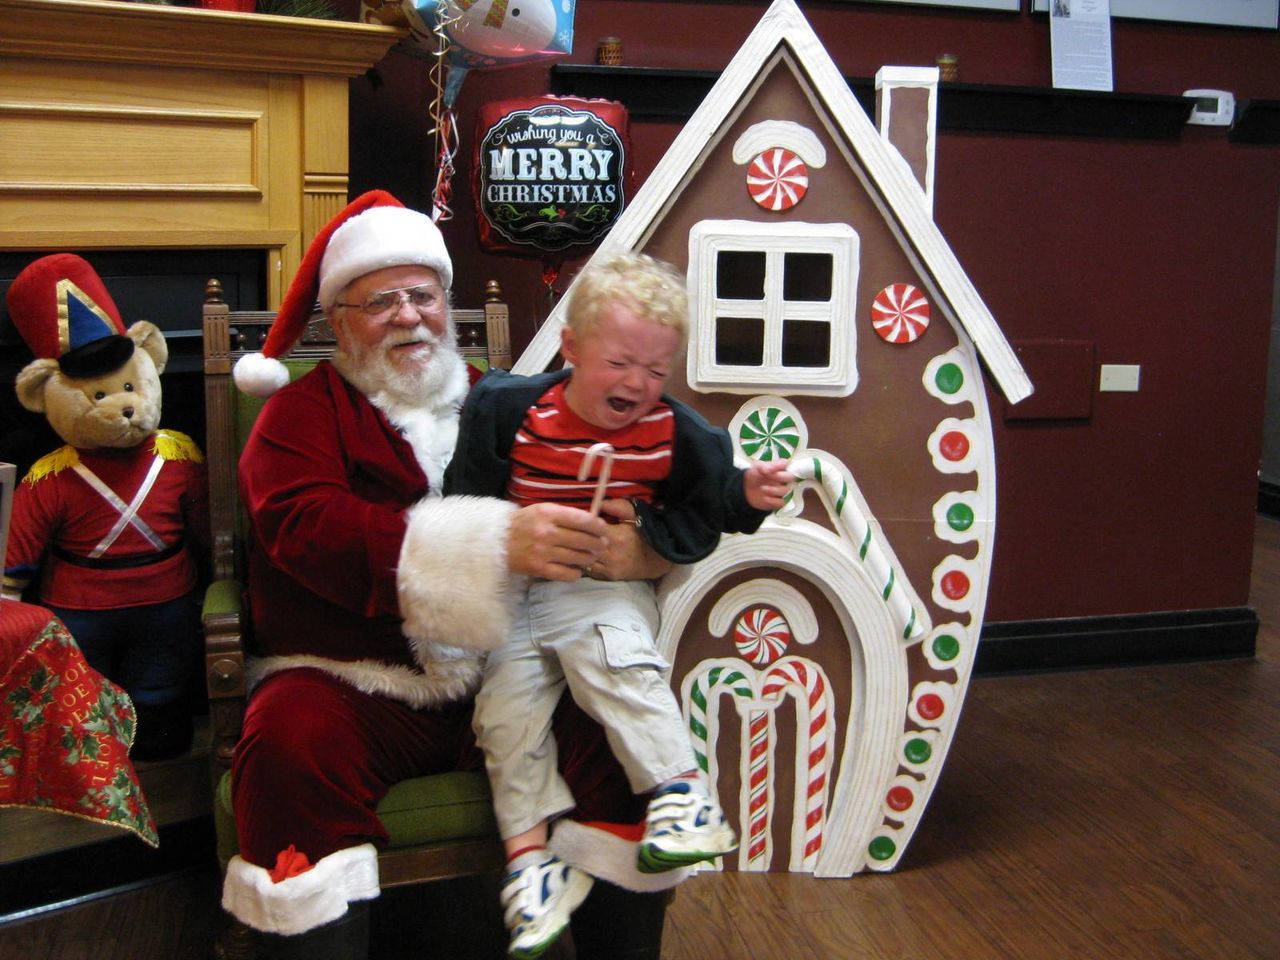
x=372, y=598
x=362, y=577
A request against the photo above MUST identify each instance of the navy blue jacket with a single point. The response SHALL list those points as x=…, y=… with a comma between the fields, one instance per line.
x=702, y=497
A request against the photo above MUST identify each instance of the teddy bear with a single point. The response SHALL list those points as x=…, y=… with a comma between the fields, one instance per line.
x=110, y=528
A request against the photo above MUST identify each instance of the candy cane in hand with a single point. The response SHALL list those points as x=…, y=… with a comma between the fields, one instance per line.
x=604, y=451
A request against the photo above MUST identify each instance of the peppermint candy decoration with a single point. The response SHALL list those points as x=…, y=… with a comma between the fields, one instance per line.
x=769, y=434
x=761, y=635
x=777, y=179
x=900, y=313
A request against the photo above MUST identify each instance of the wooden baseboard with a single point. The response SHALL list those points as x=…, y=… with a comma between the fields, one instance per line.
x=1269, y=499
x=1116, y=641
x=67, y=877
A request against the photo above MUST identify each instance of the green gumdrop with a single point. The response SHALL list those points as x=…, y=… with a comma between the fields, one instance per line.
x=960, y=517
x=946, y=647
x=882, y=848
x=917, y=750
x=949, y=378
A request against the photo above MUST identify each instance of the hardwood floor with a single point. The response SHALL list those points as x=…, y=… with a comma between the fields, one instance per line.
x=1124, y=814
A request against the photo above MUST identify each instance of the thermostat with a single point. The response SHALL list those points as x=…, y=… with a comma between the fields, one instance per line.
x=1212, y=108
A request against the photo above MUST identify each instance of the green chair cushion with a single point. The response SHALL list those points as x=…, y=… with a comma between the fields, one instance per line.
x=223, y=598
x=440, y=808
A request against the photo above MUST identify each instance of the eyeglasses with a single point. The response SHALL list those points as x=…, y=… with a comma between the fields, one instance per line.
x=425, y=298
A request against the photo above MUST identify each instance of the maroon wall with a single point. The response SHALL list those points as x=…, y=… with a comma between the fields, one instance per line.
x=1159, y=253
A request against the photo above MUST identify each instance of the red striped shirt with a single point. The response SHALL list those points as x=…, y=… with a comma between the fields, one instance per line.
x=552, y=441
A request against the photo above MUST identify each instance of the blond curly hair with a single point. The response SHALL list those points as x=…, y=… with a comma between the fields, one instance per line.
x=651, y=289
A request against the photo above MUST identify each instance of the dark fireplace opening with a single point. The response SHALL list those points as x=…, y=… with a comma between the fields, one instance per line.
x=163, y=286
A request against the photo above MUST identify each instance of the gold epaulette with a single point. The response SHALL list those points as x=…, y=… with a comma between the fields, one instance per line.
x=172, y=445
x=52, y=464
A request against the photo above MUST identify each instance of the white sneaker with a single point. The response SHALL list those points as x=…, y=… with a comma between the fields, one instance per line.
x=683, y=826
x=537, y=900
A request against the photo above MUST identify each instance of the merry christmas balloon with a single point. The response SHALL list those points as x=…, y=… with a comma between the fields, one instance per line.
x=551, y=174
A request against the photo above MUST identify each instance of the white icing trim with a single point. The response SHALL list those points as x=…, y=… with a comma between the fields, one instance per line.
x=890, y=78
x=799, y=139
x=788, y=601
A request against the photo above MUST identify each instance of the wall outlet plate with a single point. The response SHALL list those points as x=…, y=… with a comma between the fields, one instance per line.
x=1213, y=108
x=1119, y=378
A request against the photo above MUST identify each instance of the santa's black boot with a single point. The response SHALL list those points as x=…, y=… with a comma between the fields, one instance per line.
x=346, y=938
x=618, y=924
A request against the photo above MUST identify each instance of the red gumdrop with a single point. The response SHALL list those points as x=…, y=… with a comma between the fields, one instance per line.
x=930, y=706
x=955, y=585
x=954, y=446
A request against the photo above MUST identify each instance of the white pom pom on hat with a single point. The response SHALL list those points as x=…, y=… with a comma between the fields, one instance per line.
x=372, y=232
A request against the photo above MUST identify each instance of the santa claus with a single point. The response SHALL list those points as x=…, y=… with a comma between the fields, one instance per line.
x=372, y=596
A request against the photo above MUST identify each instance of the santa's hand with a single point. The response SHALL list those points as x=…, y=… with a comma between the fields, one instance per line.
x=554, y=542
x=629, y=556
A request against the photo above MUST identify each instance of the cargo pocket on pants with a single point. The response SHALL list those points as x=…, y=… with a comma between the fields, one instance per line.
x=628, y=645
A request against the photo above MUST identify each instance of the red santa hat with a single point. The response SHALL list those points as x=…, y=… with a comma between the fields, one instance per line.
x=372, y=232
x=62, y=309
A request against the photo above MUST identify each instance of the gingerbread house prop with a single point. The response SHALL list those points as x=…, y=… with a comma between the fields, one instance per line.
x=823, y=661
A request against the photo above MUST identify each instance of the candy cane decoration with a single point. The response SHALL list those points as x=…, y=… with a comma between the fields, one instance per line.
x=806, y=682
x=869, y=551
x=605, y=452
x=701, y=706
x=757, y=798
x=697, y=700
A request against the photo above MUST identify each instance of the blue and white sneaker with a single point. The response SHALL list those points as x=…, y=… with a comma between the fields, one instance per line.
x=537, y=898
x=683, y=826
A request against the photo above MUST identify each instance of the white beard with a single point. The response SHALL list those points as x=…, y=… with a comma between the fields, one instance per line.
x=423, y=403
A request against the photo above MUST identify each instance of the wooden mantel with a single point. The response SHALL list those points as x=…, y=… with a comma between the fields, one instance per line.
x=134, y=126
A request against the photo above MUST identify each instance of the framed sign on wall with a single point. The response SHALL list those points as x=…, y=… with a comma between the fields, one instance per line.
x=1228, y=13
x=1012, y=6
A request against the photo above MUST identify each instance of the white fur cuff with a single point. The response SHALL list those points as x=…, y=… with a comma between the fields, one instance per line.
x=452, y=577
x=607, y=856
x=306, y=901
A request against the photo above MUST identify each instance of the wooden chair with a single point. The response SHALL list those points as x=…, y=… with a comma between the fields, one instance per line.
x=442, y=826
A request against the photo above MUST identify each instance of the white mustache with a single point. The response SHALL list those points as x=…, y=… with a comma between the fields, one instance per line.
x=422, y=335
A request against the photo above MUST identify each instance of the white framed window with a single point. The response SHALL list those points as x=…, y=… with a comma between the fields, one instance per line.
x=772, y=307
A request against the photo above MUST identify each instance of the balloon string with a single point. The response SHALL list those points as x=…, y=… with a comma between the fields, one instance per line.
x=443, y=121
x=447, y=140
x=550, y=274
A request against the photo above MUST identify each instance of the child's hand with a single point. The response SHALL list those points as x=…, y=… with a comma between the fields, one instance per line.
x=766, y=483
